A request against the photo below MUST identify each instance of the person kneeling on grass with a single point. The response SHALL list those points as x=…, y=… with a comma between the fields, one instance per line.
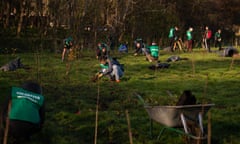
x=152, y=52
x=112, y=68
x=23, y=115
x=139, y=46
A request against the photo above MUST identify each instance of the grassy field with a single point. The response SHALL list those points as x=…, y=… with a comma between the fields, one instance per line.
x=72, y=98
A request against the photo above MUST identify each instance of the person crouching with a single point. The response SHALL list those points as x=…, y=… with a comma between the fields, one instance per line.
x=112, y=68
x=152, y=52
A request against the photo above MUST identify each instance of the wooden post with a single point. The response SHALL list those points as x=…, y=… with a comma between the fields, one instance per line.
x=96, y=121
x=209, y=128
x=129, y=127
x=5, y=138
x=231, y=65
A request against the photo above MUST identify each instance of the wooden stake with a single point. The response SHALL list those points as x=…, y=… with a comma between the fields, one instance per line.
x=231, y=66
x=5, y=138
x=193, y=65
x=129, y=127
x=96, y=121
x=209, y=128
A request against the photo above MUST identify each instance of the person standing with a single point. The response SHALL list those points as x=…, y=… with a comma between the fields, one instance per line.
x=173, y=37
x=218, y=39
x=189, y=39
x=207, y=38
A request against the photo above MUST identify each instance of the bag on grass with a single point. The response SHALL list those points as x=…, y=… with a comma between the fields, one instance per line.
x=116, y=62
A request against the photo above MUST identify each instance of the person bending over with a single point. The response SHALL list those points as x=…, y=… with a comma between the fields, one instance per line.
x=152, y=52
x=139, y=45
x=68, y=43
x=112, y=68
x=23, y=115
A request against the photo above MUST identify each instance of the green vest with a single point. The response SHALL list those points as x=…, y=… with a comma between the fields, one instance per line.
x=154, y=50
x=25, y=105
x=68, y=40
x=217, y=35
x=189, y=35
x=170, y=35
x=104, y=66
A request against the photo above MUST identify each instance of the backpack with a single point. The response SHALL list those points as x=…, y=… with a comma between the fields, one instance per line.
x=115, y=61
x=123, y=48
x=229, y=52
x=209, y=34
x=173, y=58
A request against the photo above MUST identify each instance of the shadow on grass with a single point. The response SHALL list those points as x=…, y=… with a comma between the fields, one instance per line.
x=223, y=132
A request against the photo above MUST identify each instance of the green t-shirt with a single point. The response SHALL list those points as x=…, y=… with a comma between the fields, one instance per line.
x=68, y=40
x=25, y=105
x=154, y=50
x=171, y=33
x=189, y=35
x=104, y=66
x=217, y=35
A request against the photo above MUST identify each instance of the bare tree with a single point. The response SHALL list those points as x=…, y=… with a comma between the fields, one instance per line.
x=20, y=22
x=6, y=12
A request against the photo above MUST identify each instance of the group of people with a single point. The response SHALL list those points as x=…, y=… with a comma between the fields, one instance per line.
x=113, y=69
x=151, y=52
x=206, y=38
x=109, y=66
x=23, y=114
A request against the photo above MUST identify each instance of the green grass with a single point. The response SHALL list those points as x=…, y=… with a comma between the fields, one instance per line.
x=210, y=77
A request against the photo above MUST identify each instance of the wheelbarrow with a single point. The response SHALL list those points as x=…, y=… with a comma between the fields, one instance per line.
x=185, y=119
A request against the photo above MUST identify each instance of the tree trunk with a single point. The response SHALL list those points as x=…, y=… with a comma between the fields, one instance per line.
x=6, y=24
x=19, y=28
x=122, y=20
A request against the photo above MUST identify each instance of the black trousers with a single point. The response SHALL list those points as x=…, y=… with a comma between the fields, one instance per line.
x=20, y=131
